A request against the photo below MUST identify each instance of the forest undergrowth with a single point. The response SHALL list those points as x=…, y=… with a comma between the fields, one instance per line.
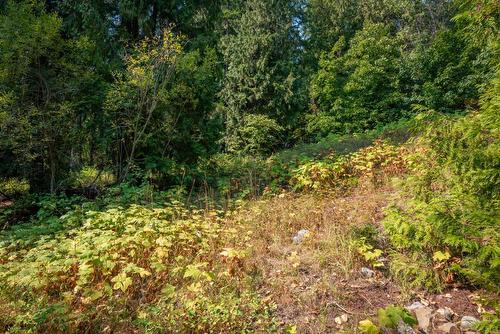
x=116, y=265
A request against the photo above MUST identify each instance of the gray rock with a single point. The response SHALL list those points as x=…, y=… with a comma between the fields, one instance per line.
x=414, y=306
x=467, y=322
x=366, y=272
x=404, y=328
x=448, y=328
x=446, y=313
x=302, y=233
x=424, y=315
x=297, y=239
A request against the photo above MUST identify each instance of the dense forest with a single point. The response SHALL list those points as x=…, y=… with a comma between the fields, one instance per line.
x=250, y=166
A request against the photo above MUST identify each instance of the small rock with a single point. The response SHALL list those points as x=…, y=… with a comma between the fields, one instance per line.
x=446, y=313
x=423, y=315
x=300, y=236
x=366, y=272
x=468, y=322
x=342, y=319
x=302, y=233
x=404, y=328
x=448, y=328
x=414, y=306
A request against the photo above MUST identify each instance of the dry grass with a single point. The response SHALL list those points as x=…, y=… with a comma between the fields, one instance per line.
x=319, y=279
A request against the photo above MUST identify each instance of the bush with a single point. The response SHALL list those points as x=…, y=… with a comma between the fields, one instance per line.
x=390, y=318
x=13, y=187
x=230, y=175
x=258, y=135
x=450, y=203
x=152, y=269
x=373, y=163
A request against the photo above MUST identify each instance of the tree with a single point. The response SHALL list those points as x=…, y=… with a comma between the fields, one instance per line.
x=137, y=94
x=114, y=23
x=326, y=21
x=47, y=84
x=260, y=56
x=357, y=89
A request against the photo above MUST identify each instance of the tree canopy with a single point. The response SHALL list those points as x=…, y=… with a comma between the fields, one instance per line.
x=87, y=84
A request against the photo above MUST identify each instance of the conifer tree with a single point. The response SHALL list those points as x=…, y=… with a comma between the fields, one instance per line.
x=260, y=55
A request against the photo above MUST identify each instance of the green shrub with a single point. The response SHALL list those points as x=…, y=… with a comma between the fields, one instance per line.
x=318, y=175
x=339, y=172
x=38, y=207
x=389, y=317
x=392, y=315
x=156, y=270
x=414, y=272
x=450, y=203
x=13, y=187
x=230, y=175
x=254, y=134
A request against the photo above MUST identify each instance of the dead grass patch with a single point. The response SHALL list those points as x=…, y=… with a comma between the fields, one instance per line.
x=319, y=279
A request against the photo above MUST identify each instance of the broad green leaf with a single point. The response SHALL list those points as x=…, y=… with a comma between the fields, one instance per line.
x=122, y=281
x=168, y=291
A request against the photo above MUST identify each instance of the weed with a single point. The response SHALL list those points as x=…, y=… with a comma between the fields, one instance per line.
x=89, y=273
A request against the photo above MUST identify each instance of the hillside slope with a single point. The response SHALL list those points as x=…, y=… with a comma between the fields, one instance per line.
x=314, y=260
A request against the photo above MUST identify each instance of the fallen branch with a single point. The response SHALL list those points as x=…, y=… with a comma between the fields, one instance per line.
x=347, y=311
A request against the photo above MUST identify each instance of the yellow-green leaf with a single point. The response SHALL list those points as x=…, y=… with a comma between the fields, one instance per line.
x=368, y=327
x=122, y=282
x=440, y=256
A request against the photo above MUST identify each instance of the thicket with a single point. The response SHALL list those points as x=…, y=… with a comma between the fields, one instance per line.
x=447, y=220
x=155, y=267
